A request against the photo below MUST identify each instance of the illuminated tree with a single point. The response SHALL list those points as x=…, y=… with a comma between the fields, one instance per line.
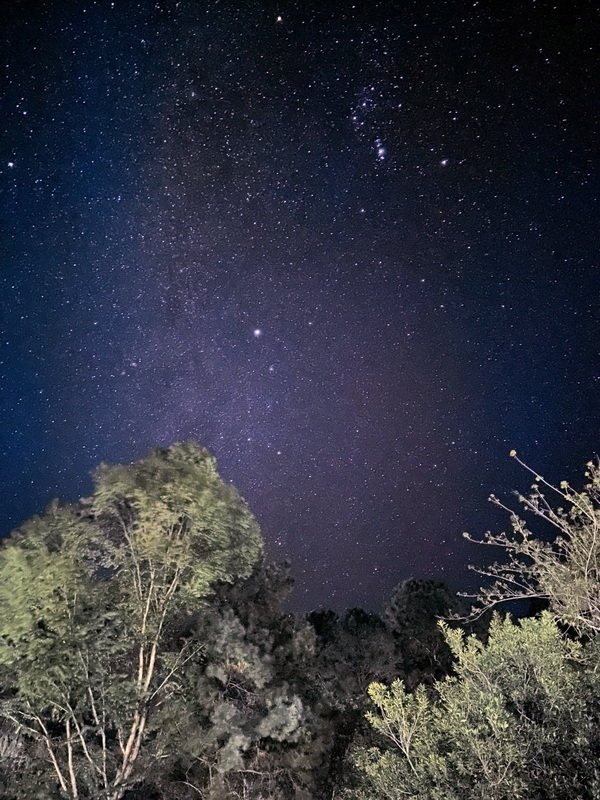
x=91, y=599
x=519, y=719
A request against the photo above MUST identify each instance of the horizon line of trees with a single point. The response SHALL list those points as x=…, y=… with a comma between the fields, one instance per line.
x=145, y=653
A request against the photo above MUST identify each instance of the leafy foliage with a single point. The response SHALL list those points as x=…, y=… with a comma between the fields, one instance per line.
x=519, y=719
x=88, y=598
x=252, y=731
x=145, y=653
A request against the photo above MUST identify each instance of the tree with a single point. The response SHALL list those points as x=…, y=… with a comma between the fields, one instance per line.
x=251, y=731
x=411, y=615
x=564, y=571
x=91, y=599
x=519, y=719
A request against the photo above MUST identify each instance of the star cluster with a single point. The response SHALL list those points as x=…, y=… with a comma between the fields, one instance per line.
x=349, y=247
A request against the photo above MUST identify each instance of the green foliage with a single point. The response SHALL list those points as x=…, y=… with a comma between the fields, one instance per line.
x=176, y=515
x=518, y=719
x=42, y=570
x=145, y=653
x=252, y=731
x=89, y=602
x=273, y=701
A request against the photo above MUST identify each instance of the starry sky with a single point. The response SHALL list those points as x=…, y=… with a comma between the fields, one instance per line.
x=350, y=247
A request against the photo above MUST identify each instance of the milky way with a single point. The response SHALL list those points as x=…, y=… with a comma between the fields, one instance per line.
x=350, y=248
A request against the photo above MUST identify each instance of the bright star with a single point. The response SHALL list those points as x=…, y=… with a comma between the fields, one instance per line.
x=257, y=332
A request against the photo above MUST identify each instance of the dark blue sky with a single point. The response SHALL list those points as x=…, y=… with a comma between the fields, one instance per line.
x=352, y=248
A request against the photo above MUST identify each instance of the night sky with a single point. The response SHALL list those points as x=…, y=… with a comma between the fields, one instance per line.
x=351, y=248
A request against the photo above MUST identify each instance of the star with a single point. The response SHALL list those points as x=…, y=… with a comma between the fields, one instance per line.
x=380, y=149
x=257, y=333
